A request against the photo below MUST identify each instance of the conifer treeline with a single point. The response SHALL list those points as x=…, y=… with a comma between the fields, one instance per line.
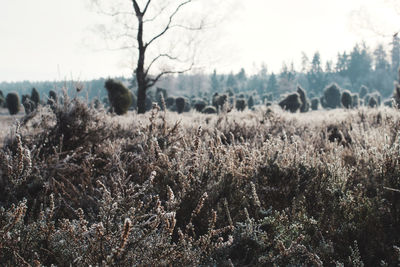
x=375, y=68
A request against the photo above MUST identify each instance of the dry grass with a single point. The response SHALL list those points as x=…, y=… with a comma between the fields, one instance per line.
x=79, y=186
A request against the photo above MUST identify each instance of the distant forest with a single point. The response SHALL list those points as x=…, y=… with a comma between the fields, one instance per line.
x=377, y=69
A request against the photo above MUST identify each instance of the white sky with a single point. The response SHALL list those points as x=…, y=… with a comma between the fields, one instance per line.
x=47, y=39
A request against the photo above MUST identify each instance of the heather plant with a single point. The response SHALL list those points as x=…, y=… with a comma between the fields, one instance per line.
x=119, y=96
x=346, y=99
x=305, y=105
x=332, y=96
x=291, y=102
x=13, y=103
x=81, y=187
x=161, y=94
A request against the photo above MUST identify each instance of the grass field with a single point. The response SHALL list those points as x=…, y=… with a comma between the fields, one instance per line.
x=255, y=188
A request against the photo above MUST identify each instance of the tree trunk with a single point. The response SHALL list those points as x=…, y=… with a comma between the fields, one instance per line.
x=140, y=73
x=141, y=100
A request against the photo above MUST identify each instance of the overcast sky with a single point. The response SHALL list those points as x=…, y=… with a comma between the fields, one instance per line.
x=48, y=39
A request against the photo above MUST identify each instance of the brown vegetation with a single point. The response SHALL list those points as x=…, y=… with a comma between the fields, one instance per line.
x=81, y=187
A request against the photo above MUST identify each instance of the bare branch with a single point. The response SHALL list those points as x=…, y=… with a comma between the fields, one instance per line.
x=137, y=8
x=167, y=27
x=145, y=8
x=153, y=81
x=155, y=16
x=157, y=58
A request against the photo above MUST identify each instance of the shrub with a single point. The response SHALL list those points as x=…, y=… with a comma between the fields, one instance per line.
x=13, y=103
x=180, y=104
x=372, y=101
x=2, y=100
x=28, y=104
x=389, y=103
x=53, y=99
x=347, y=101
x=250, y=102
x=243, y=189
x=267, y=98
x=377, y=99
x=377, y=96
x=209, y=110
x=218, y=101
x=314, y=103
x=291, y=102
x=355, y=100
x=134, y=101
x=170, y=102
x=199, y=104
x=396, y=95
x=305, y=105
x=119, y=96
x=363, y=91
x=240, y=104
x=35, y=97
x=161, y=93
x=332, y=96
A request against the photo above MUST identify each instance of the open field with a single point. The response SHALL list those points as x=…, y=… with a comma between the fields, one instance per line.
x=252, y=188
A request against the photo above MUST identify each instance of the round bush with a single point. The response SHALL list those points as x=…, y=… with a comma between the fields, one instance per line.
x=291, y=102
x=209, y=110
x=35, y=97
x=332, y=96
x=240, y=104
x=346, y=99
x=305, y=105
x=314, y=103
x=199, y=104
x=119, y=96
x=13, y=103
x=180, y=104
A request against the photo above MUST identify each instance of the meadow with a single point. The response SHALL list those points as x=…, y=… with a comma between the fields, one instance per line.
x=263, y=187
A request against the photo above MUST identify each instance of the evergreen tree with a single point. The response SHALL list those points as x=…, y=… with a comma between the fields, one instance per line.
x=272, y=85
x=360, y=65
x=214, y=82
x=380, y=58
x=231, y=81
x=241, y=76
x=342, y=64
x=395, y=55
x=316, y=76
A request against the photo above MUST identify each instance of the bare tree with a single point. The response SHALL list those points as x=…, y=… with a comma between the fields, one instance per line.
x=166, y=19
